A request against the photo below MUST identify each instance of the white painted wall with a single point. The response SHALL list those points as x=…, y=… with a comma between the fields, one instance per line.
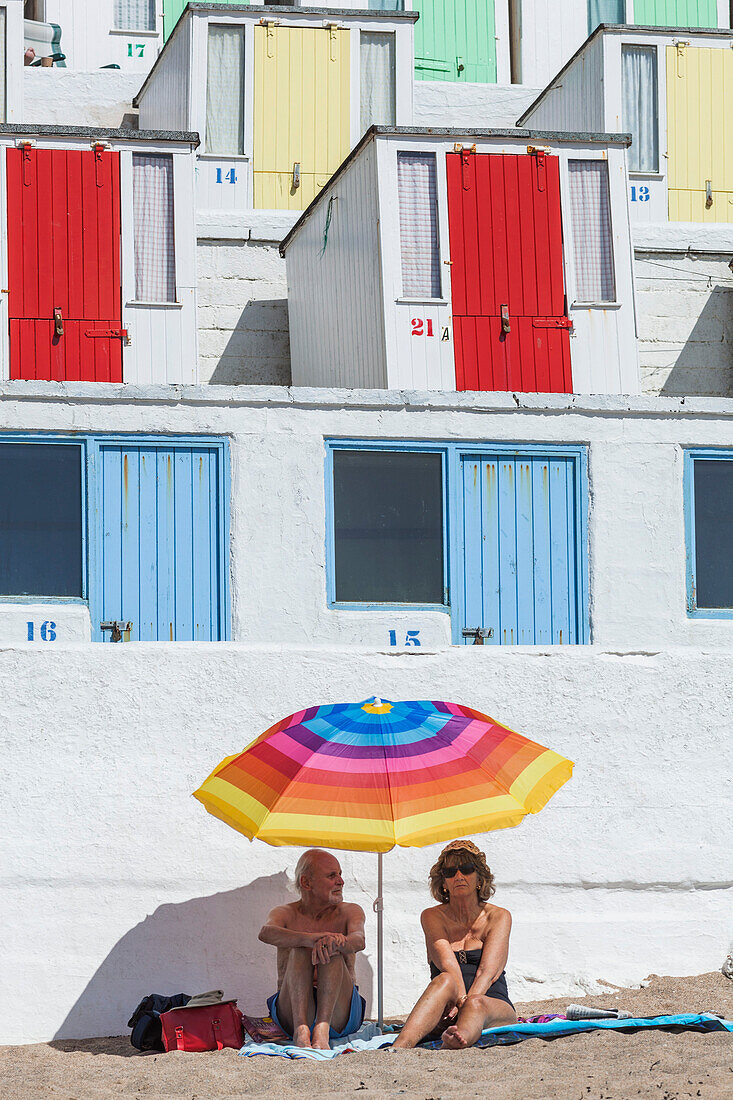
x=444, y=103
x=242, y=312
x=684, y=308
x=116, y=883
x=277, y=549
x=66, y=97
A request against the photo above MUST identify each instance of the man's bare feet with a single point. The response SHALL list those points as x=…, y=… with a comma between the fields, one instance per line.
x=453, y=1040
x=302, y=1036
x=321, y=1033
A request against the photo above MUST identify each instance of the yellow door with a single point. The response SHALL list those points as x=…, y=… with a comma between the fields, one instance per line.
x=302, y=99
x=700, y=133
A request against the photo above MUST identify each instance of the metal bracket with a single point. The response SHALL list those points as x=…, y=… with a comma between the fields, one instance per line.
x=478, y=634
x=708, y=194
x=25, y=152
x=296, y=175
x=506, y=325
x=118, y=629
x=58, y=321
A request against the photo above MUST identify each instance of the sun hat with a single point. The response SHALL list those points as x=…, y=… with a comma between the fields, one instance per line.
x=462, y=846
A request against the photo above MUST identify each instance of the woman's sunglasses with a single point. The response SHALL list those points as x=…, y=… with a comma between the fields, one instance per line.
x=464, y=868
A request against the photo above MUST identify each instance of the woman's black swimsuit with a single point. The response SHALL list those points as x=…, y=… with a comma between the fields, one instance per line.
x=469, y=963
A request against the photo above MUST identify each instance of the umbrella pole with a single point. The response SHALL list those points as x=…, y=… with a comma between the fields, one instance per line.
x=379, y=910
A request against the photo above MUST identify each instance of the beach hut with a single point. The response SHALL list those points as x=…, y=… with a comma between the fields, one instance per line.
x=125, y=34
x=98, y=255
x=279, y=96
x=465, y=41
x=670, y=91
x=489, y=260
x=545, y=35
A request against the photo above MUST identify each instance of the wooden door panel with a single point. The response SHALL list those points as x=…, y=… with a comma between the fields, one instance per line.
x=508, y=295
x=64, y=254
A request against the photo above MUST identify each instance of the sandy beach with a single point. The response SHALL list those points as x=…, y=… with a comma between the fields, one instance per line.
x=600, y=1066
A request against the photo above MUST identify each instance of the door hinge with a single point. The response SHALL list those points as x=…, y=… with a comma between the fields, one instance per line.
x=25, y=153
x=551, y=322
x=98, y=148
x=540, y=156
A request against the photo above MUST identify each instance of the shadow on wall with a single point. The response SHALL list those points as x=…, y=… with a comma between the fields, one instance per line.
x=257, y=352
x=704, y=364
x=189, y=947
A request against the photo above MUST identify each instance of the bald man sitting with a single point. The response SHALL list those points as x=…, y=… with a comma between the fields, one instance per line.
x=317, y=939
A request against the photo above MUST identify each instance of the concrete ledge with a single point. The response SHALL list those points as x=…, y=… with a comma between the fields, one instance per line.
x=682, y=237
x=255, y=225
x=92, y=393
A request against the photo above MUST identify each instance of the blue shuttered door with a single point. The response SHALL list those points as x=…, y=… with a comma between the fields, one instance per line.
x=521, y=564
x=159, y=541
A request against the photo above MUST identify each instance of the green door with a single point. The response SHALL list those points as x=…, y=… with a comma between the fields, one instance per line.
x=676, y=13
x=172, y=12
x=455, y=40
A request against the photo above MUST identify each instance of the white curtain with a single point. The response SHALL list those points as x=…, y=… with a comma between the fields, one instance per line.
x=155, y=254
x=377, y=79
x=418, y=197
x=605, y=11
x=135, y=15
x=590, y=211
x=224, y=91
x=639, y=64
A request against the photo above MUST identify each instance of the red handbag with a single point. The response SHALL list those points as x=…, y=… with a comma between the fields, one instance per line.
x=210, y=1027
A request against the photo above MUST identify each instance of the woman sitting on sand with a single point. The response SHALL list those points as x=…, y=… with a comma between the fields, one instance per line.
x=468, y=943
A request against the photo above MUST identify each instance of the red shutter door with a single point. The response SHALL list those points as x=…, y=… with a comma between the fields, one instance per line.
x=510, y=322
x=65, y=295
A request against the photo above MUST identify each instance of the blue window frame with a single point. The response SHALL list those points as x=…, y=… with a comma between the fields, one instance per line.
x=708, y=498
x=155, y=540
x=535, y=516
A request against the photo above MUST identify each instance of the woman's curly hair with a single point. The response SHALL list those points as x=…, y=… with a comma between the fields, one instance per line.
x=461, y=851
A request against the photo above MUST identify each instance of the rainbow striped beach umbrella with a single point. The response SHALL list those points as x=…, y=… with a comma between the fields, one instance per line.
x=368, y=776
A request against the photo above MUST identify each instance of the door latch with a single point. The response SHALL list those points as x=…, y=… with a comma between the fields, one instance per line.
x=118, y=630
x=296, y=175
x=708, y=194
x=506, y=325
x=479, y=634
x=58, y=321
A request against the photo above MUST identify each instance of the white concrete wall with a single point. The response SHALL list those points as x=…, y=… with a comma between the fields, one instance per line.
x=685, y=322
x=242, y=312
x=278, y=557
x=116, y=883
x=67, y=97
x=444, y=103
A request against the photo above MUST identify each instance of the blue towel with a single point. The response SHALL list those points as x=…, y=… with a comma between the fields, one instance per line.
x=555, y=1029
x=510, y=1033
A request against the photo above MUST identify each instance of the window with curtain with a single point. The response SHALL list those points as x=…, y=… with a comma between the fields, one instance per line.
x=225, y=91
x=417, y=187
x=155, y=254
x=388, y=527
x=377, y=79
x=605, y=11
x=590, y=212
x=640, y=118
x=134, y=15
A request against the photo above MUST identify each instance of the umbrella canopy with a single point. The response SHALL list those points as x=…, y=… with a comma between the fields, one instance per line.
x=372, y=775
